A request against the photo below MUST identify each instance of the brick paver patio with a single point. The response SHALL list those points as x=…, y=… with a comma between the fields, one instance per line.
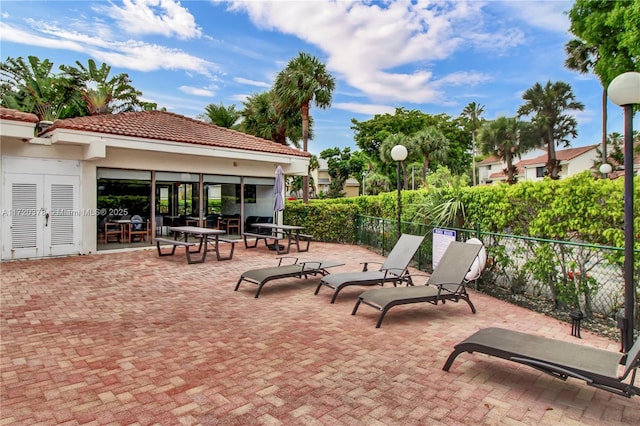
x=131, y=338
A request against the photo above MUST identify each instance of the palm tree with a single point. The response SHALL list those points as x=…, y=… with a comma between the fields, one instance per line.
x=583, y=58
x=385, y=153
x=102, y=94
x=30, y=86
x=432, y=144
x=220, y=115
x=267, y=118
x=508, y=138
x=305, y=79
x=471, y=113
x=548, y=105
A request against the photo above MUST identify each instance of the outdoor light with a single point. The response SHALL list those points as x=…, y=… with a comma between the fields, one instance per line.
x=624, y=91
x=399, y=153
x=605, y=169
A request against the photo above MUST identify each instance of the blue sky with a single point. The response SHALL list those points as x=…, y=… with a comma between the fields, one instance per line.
x=432, y=56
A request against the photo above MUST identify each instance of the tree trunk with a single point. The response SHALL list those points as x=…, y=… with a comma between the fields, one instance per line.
x=509, y=161
x=405, y=175
x=305, y=139
x=425, y=167
x=552, y=163
x=473, y=157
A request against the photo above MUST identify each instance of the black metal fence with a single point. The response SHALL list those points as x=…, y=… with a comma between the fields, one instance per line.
x=569, y=274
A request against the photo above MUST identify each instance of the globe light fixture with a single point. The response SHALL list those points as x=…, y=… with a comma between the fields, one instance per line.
x=624, y=91
x=399, y=154
x=605, y=169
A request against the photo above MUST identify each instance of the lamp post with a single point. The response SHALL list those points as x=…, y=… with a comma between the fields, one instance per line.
x=624, y=91
x=399, y=153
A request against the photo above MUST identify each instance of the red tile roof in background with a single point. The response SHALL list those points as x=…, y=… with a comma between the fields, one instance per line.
x=12, y=114
x=490, y=160
x=165, y=126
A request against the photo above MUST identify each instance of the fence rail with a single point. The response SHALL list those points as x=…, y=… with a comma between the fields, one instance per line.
x=571, y=274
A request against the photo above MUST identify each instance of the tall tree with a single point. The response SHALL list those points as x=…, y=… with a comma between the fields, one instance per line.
x=385, y=154
x=606, y=44
x=609, y=33
x=103, y=93
x=432, y=144
x=582, y=57
x=30, y=86
x=267, y=118
x=220, y=115
x=508, y=138
x=548, y=108
x=305, y=80
x=341, y=164
x=370, y=134
x=472, y=115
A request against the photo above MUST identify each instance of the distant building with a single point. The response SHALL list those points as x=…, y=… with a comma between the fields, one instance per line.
x=322, y=181
x=572, y=161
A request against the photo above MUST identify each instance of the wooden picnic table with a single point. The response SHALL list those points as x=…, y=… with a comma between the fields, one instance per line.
x=289, y=234
x=203, y=235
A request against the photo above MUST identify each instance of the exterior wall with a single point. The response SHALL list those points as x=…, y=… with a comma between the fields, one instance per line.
x=135, y=159
x=352, y=188
x=485, y=171
x=530, y=173
x=580, y=163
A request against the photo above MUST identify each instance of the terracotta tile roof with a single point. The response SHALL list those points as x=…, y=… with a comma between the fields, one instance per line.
x=561, y=155
x=490, y=160
x=12, y=114
x=571, y=153
x=168, y=126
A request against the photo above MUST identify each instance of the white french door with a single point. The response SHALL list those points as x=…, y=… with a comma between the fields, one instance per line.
x=41, y=215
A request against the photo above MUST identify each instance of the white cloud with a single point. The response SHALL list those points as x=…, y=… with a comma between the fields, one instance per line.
x=165, y=17
x=549, y=15
x=15, y=34
x=251, y=82
x=240, y=97
x=464, y=78
x=128, y=54
x=368, y=44
x=367, y=109
x=196, y=91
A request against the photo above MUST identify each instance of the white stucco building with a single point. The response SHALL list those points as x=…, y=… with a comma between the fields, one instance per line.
x=60, y=187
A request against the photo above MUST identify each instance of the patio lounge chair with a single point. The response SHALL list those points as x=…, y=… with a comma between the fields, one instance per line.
x=297, y=269
x=597, y=367
x=447, y=282
x=394, y=269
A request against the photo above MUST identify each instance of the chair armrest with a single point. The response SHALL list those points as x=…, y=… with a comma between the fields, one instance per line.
x=295, y=259
x=365, y=265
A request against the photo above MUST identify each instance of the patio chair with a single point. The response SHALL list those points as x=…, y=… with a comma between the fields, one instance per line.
x=597, y=367
x=394, y=269
x=302, y=269
x=446, y=283
x=139, y=228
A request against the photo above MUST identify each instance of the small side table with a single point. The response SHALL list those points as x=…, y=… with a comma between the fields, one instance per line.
x=576, y=316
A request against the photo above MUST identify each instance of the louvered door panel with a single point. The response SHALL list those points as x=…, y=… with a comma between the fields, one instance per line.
x=24, y=215
x=61, y=214
x=62, y=230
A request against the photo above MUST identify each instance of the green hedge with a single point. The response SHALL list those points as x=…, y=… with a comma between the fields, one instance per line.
x=579, y=208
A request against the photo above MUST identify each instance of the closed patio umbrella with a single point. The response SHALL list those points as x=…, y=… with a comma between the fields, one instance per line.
x=278, y=188
x=278, y=204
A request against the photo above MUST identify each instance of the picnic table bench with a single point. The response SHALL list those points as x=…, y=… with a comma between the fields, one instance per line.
x=202, y=234
x=176, y=243
x=266, y=237
x=289, y=233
